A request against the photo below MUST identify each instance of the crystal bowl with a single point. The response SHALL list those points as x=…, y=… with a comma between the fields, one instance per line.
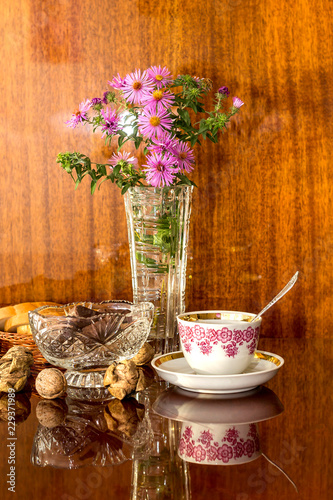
x=85, y=337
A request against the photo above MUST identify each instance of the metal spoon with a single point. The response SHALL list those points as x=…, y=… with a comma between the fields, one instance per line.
x=278, y=296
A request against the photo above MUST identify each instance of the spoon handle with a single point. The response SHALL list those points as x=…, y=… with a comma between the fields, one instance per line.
x=278, y=296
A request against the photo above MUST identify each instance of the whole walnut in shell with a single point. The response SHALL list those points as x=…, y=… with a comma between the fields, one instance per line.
x=51, y=383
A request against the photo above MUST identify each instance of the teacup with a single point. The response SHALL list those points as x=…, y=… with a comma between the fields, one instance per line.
x=218, y=342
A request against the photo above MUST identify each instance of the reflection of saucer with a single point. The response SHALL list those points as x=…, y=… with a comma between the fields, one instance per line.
x=253, y=406
x=174, y=368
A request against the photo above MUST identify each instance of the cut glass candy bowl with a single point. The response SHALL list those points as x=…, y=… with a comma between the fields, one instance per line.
x=85, y=338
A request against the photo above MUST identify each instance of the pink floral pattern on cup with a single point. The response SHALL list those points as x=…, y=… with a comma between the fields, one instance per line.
x=226, y=339
x=229, y=447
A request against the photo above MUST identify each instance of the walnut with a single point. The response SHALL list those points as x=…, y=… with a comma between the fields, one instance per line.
x=145, y=355
x=121, y=378
x=51, y=383
x=51, y=413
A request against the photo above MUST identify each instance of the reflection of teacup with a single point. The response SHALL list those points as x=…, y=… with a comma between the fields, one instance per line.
x=218, y=342
x=219, y=429
x=219, y=444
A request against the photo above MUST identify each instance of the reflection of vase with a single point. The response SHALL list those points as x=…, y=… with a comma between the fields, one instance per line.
x=158, y=227
x=158, y=472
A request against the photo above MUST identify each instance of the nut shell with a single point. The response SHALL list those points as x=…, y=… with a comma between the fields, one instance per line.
x=51, y=383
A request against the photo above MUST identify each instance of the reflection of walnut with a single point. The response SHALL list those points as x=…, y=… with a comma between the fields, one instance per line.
x=124, y=416
x=145, y=355
x=51, y=383
x=51, y=413
x=15, y=368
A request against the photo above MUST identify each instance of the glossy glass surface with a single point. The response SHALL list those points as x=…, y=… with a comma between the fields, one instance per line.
x=260, y=445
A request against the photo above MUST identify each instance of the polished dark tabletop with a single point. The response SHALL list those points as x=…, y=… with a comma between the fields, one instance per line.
x=274, y=442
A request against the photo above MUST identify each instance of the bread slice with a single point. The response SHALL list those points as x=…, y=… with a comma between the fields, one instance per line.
x=24, y=330
x=20, y=316
x=6, y=313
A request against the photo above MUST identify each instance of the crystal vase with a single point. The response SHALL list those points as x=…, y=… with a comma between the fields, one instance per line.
x=158, y=228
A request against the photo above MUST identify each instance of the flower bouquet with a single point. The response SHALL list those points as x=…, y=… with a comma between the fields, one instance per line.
x=164, y=117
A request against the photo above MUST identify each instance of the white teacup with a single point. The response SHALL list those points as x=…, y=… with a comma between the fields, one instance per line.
x=218, y=342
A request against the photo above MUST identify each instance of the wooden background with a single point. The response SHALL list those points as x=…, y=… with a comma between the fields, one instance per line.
x=263, y=209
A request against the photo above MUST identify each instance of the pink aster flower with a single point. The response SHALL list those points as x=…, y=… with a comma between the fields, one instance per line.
x=117, y=82
x=164, y=143
x=158, y=99
x=160, y=171
x=153, y=124
x=80, y=115
x=111, y=125
x=160, y=76
x=135, y=86
x=185, y=156
x=124, y=156
x=237, y=102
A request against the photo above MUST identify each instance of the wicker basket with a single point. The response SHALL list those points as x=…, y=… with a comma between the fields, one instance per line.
x=8, y=340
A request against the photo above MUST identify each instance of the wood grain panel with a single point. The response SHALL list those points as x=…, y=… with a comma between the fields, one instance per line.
x=264, y=205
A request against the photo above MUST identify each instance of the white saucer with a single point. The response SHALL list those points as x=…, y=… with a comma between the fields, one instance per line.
x=173, y=368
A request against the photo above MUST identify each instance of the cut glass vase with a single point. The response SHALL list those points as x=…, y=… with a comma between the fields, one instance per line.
x=158, y=230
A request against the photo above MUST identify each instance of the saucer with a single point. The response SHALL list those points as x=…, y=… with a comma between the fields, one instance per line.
x=174, y=368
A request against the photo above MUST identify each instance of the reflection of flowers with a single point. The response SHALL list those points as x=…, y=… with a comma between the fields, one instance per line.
x=205, y=438
x=188, y=433
x=238, y=450
x=212, y=453
x=249, y=448
x=182, y=445
x=224, y=453
x=231, y=436
x=199, y=454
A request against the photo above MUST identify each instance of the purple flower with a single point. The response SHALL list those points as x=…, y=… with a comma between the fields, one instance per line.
x=185, y=156
x=80, y=115
x=159, y=170
x=117, y=82
x=105, y=97
x=224, y=91
x=158, y=99
x=111, y=125
x=237, y=102
x=123, y=156
x=96, y=100
x=136, y=86
x=163, y=143
x=160, y=76
x=153, y=124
